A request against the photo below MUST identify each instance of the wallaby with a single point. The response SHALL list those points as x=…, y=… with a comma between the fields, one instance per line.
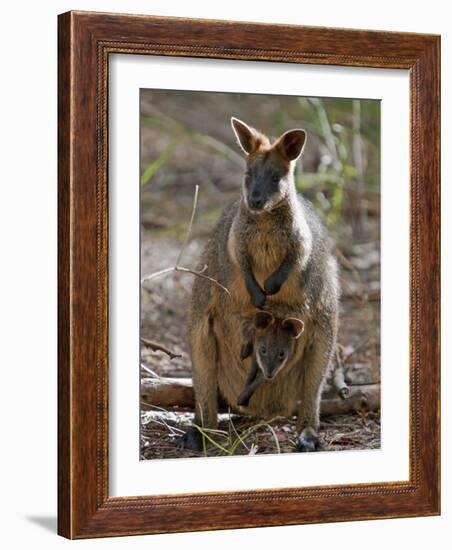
x=268, y=248
x=270, y=341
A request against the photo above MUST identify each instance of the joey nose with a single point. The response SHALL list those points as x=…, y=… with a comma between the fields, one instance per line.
x=269, y=374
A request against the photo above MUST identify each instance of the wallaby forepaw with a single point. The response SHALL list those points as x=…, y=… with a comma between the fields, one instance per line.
x=271, y=286
x=192, y=439
x=243, y=400
x=246, y=350
x=308, y=441
x=258, y=299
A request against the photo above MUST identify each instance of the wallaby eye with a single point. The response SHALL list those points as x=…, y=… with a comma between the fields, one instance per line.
x=275, y=178
x=282, y=354
x=263, y=350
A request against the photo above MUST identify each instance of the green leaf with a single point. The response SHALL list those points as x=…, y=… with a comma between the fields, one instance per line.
x=155, y=166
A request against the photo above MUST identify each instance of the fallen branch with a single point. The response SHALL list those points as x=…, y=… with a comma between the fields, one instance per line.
x=184, y=270
x=177, y=266
x=340, y=384
x=338, y=379
x=149, y=371
x=360, y=398
x=154, y=346
x=168, y=392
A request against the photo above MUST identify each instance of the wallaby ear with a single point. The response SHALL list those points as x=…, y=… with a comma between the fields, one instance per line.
x=291, y=144
x=294, y=326
x=263, y=319
x=248, y=138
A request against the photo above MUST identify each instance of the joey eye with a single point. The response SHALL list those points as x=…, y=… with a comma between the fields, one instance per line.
x=263, y=350
x=282, y=354
x=275, y=178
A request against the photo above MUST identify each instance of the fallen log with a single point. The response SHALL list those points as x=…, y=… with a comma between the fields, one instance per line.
x=364, y=397
x=178, y=392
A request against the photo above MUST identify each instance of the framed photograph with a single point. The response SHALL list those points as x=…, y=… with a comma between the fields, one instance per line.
x=248, y=275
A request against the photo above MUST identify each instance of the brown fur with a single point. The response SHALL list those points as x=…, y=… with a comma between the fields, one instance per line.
x=309, y=293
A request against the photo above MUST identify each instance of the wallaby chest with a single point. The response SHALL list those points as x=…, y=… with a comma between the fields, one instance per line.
x=266, y=244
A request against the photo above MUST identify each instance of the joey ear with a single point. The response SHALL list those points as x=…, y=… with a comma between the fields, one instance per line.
x=291, y=144
x=263, y=319
x=248, y=138
x=294, y=326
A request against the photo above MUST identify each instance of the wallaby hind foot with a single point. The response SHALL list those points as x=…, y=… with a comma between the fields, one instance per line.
x=192, y=439
x=308, y=441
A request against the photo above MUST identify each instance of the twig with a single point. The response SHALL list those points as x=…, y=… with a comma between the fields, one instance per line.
x=177, y=266
x=275, y=437
x=157, y=274
x=190, y=226
x=339, y=382
x=362, y=344
x=162, y=422
x=236, y=432
x=154, y=346
x=201, y=274
x=150, y=371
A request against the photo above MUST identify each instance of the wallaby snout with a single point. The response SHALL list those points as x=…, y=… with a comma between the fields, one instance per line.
x=256, y=200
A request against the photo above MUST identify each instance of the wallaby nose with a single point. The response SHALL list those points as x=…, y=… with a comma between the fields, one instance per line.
x=256, y=201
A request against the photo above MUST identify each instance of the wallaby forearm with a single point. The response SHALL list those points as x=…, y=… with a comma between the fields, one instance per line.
x=255, y=292
x=246, y=350
x=254, y=371
x=253, y=381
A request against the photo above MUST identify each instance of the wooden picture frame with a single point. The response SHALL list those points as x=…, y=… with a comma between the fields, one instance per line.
x=85, y=42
